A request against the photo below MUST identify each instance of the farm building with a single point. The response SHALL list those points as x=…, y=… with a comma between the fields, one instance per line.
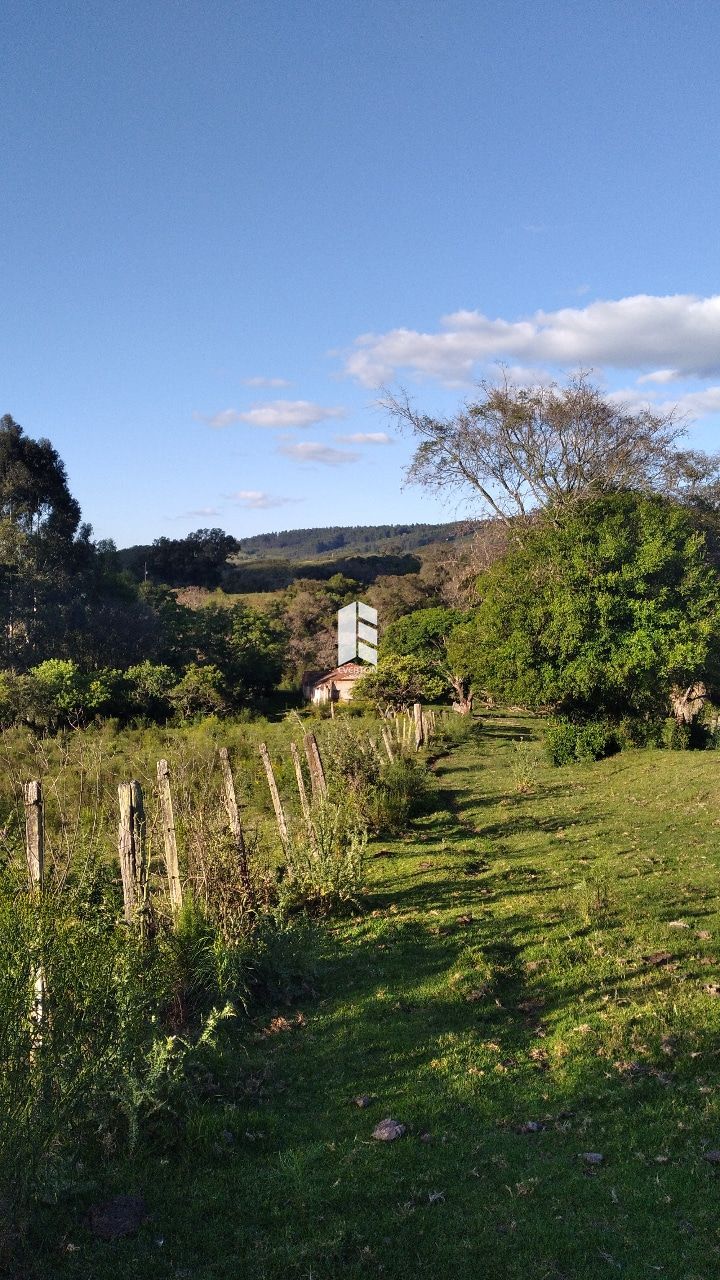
x=335, y=686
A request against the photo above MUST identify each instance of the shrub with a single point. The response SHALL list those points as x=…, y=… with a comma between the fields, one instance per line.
x=524, y=766
x=402, y=792
x=639, y=731
x=560, y=741
x=126, y=1032
x=325, y=872
x=686, y=737
x=568, y=742
x=453, y=729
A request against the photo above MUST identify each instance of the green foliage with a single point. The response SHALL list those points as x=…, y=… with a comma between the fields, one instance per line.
x=148, y=689
x=700, y=735
x=570, y=742
x=325, y=873
x=196, y=559
x=426, y=635
x=514, y=989
x=524, y=767
x=402, y=793
x=398, y=681
x=302, y=544
x=422, y=633
x=602, y=610
x=452, y=729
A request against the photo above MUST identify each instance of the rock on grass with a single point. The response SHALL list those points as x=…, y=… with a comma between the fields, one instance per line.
x=388, y=1130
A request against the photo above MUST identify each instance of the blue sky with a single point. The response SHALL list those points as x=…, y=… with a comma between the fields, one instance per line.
x=225, y=224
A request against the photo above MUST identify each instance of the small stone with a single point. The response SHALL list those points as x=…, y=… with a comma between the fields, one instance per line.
x=678, y=924
x=425, y=1137
x=363, y=1100
x=712, y=1157
x=705, y=934
x=592, y=1157
x=531, y=1126
x=388, y=1130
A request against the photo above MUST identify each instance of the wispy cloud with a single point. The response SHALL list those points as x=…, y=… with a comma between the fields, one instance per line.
x=366, y=437
x=680, y=332
x=266, y=382
x=275, y=414
x=311, y=451
x=258, y=500
x=198, y=512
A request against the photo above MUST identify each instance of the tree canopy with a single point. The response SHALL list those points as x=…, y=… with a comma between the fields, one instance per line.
x=521, y=449
x=608, y=609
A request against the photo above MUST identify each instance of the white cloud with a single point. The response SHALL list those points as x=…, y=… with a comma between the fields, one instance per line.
x=690, y=404
x=679, y=332
x=311, y=451
x=696, y=404
x=660, y=376
x=275, y=414
x=266, y=382
x=258, y=500
x=366, y=437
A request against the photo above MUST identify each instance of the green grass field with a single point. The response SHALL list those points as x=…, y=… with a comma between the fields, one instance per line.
x=534, y=976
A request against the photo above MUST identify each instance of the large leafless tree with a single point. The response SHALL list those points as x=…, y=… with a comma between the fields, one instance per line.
x=523, y=449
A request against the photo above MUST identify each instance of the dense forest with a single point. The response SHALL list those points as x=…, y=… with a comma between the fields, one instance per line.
x=392, y=539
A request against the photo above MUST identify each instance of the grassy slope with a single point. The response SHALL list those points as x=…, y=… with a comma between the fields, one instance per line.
x=550, y=1004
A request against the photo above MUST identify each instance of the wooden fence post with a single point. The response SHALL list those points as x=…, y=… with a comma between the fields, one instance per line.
x=131, y=848
x=35, y=850
x=388, y=744
x=169, y=839
x=35, y=833
x=314, y=759
x=233, y=814
x=419, y=726
x=304, y=803
x=275, y=796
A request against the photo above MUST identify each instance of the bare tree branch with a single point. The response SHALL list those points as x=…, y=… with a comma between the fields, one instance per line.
x=523, y=449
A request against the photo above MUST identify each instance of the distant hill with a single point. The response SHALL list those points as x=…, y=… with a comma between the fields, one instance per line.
x=337, y=541
x=270, y=561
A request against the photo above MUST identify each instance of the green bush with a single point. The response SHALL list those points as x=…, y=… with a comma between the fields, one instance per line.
x=639, y=731
x=568, y=742
x=560, y=742
x=687, y=737
x=325, y=870
x=124, y=1032
x=402, y=792
x=452, y=729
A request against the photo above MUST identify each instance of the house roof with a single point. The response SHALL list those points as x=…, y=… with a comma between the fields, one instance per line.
x=347, y=671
